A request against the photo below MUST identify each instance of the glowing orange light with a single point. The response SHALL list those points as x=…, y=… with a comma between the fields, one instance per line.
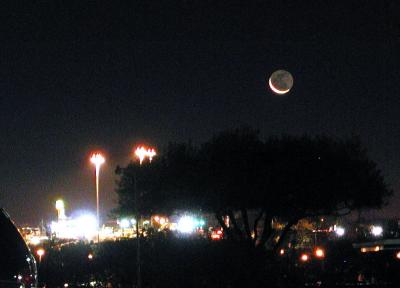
x=282, y=251
x=216, y=237
x=142, y=152
x=304, y=257
x=97, y=159
x=319, y=253
x=40, y=252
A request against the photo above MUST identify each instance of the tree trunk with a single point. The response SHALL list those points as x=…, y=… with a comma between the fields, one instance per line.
x=267, y=231
x=223, y=225
x=255, y=226
x=245, y=219
x=235, y=226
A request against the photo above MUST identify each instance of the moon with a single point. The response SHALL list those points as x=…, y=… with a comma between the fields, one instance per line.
x=281, y=82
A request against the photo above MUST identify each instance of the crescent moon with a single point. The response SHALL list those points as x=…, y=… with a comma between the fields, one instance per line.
x=277, y=91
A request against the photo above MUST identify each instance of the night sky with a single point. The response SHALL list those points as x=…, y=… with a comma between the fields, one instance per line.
x=79, y=77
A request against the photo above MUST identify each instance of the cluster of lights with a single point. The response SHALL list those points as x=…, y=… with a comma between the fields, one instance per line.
x=83, y=227
x=126, y=223
x=188, y=224
x=319, y=253
x=217, y=234
x=160, y=220
x=97, y=159
x=143, y=152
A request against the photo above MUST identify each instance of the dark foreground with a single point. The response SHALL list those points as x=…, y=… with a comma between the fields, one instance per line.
x=202, y=263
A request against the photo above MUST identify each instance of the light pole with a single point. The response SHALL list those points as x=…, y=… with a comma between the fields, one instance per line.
x=60, y=210
x=141, y=153
x=40, y=252
x=97, y=159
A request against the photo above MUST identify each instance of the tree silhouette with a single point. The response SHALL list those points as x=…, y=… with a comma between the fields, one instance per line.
x=253, y=181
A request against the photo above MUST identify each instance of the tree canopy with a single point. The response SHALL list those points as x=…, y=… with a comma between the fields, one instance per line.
x=236, y=172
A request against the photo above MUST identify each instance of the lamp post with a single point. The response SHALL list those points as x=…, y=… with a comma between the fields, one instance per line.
x=60, y=210
x=40, y=252
x=97, y=159
x=141, y=153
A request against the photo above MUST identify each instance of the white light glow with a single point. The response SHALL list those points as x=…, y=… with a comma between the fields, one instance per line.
x=340, y=231
x=35, y=240
x=83, y=227
x=186, y=224
x=124, y=223
x=97, y=159
x=376, y=230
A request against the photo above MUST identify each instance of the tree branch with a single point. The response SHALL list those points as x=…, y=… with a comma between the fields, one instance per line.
x=245, y=219
x=267, y=230
x=235, y=226
x=255, y=226
x=285, y=230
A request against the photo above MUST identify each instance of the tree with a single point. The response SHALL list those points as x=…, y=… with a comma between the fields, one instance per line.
x=235, y=173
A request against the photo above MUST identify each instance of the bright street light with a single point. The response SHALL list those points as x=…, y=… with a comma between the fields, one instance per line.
x=304, y=257
x=40, y=252
x=339, y=231
x=97, y=159
x=319, y=253
x=141, y=152
x=377, y=230
x=60, y=207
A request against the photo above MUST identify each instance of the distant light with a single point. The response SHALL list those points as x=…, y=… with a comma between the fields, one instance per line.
x=186, y=224
x=35, y=241
x=66, y=285
x=124, y=223
x=340, y=231
x=133, y=221
x=371, y=249
x=319, y=253
x=142, y=152
x=86, y=226
x=90, y=256
x=97, y=159
x=282, y=251
x=398, y=255
x=19, y=277
x=162, y=220
x=59, y=204
x=40, y=252
x=377, y=230
x=304, y=257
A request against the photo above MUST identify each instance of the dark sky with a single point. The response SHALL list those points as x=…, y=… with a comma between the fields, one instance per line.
x=78, y=77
